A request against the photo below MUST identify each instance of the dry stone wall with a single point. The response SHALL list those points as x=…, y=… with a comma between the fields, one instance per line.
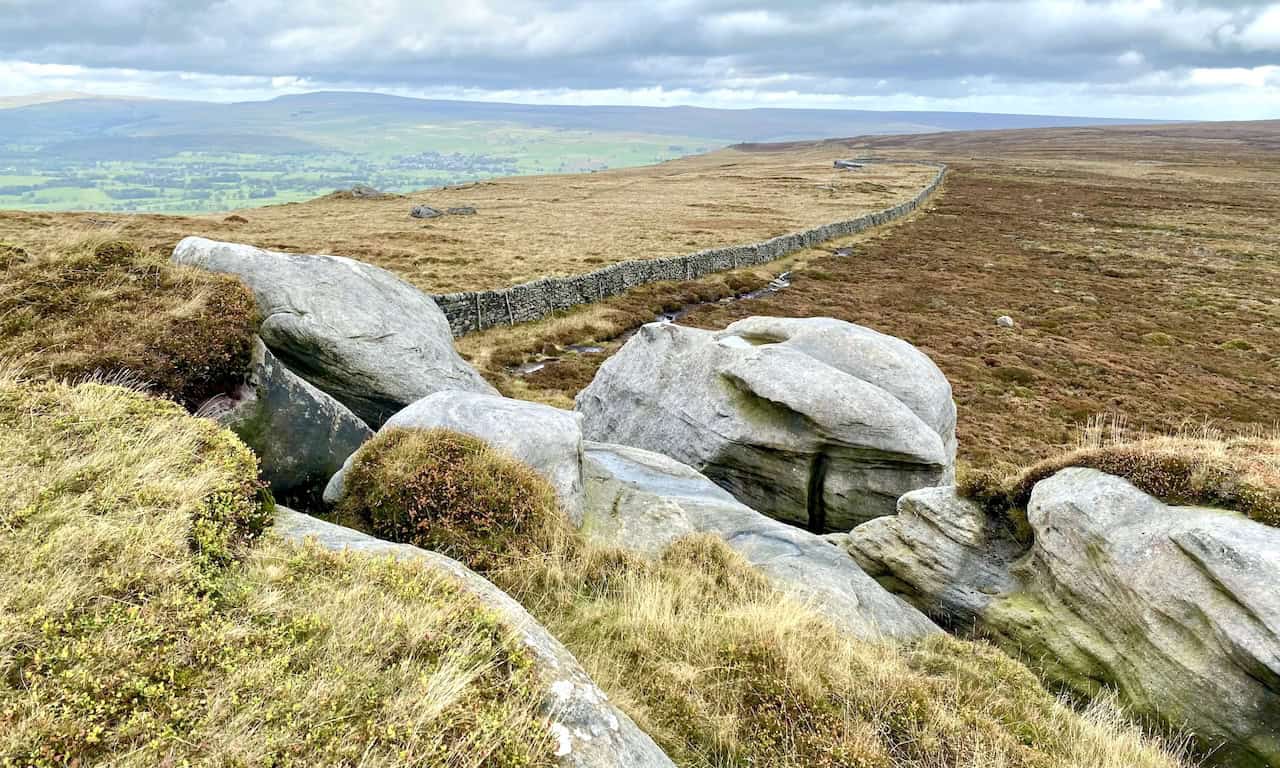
x=477, y=310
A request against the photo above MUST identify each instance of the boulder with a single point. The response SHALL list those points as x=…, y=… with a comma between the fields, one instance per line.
x=1173, y=607
x=547, y=439
x=424, y=212
x=814, y=421
x=357, y=332
x=945, y=554
x=643, y=501
x=590, y=731
x=300, y=435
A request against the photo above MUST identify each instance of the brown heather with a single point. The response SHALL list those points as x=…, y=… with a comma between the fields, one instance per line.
x=1142, y=266
x=89, y=304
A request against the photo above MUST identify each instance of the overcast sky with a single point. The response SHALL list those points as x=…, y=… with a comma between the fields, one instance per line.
x=1178, y=59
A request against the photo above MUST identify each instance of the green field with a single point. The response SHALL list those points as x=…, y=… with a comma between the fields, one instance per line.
x=397, y=159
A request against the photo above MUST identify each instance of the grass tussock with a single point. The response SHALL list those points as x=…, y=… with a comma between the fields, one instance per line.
x=447, y=492
x=723, y=671
x=91, y=304
x=144, y=621
x=1200, y=469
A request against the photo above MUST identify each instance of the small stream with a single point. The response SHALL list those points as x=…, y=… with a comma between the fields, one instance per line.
x=777, y=284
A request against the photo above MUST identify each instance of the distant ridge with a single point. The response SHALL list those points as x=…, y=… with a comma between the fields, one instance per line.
x=301, y=117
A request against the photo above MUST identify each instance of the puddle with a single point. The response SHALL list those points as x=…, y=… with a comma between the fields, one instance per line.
x=779, y=283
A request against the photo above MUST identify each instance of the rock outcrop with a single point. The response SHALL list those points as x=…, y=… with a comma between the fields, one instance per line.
x=643, y=501
x=1174, y=607
x=945, y=554
x=816, y=422
x=547, y=439
x=357, y=332
x=591, y=732
x=300, y=435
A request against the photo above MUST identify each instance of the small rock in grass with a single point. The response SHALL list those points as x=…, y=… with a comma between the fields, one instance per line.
x=1004, y=321
x=462, y=210
x=424, y=212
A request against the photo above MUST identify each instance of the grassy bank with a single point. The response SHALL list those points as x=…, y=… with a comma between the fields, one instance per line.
x=709, y=659
x=144, y=621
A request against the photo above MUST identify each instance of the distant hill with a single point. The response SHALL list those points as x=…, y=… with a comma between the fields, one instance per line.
x=72, y=152
x=328, y=118
x=26, y=100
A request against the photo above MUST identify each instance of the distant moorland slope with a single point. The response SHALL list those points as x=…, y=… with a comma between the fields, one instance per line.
x=184, y=156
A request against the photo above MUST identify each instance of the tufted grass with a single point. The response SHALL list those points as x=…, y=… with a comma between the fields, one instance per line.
x=723, y=671
x=144, y=619
x=88, y=303
x=1194, y=468
x=447, y=492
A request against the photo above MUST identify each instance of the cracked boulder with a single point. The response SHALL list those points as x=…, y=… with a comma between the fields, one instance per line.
x=590, y=731
x=1175, y=608
x=300, y=435
x=816, y=422
x=357, y=332
x=644, y=501
x=545, y=438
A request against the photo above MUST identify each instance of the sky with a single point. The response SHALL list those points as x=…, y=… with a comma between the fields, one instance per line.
x=1180, y=59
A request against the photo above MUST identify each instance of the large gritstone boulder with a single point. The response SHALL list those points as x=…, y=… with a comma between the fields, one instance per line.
x=815, y=422
x=547, y=439
x=1174, y=607
x=357, y=332
x=300, y=435
x=590, y=731
x=644, y=501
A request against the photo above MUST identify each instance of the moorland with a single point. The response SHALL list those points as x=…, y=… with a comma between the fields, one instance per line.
x=1139, y=269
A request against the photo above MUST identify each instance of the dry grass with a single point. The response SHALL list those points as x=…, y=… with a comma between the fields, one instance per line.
x=723, y=671
x=1199, y=468
x=530, y=227
x=140, y=625
x=1142, y=267
x=88, y=303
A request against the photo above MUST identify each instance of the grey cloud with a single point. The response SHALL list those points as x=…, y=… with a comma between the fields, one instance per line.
x=814, y=46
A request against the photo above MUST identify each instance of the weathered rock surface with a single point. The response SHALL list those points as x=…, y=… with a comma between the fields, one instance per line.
x=943, y=553
x=643, y=501
x=814, y=421
x=357, y=332
x=1174, y=607
x=547, y=439
x=592, y=732
x=300, y=435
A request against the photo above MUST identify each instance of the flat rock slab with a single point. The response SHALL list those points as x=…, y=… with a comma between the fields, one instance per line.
x=357, y=332
x=643, y=501
x=592, y=732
